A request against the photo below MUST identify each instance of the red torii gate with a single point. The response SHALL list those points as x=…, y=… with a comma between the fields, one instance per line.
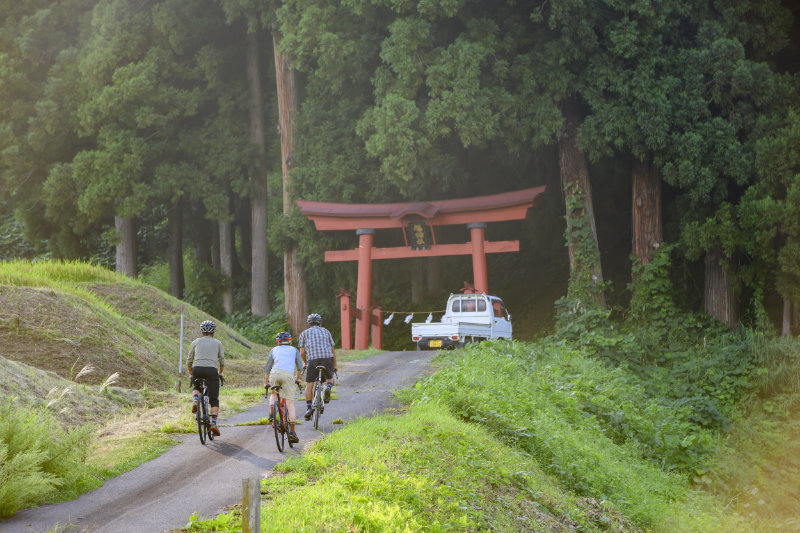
x=418, y=221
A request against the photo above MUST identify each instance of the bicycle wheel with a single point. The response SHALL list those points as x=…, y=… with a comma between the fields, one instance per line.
x=317, y=404
x=201, y=424
x=277, y=424
x=286, y=426
x=208, y=419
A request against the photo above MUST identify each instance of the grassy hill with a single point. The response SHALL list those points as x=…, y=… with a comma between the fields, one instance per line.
x=60, y=317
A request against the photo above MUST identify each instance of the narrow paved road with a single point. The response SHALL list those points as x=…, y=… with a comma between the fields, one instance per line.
x=193, y=479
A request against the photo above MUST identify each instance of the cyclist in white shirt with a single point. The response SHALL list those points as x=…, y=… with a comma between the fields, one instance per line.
x=284, y=366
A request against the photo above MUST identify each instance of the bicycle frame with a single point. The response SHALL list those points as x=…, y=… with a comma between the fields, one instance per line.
x=317, y=403
x=280, y=418
x=203, y=412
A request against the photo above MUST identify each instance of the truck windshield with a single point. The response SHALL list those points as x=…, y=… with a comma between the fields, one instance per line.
x=468, y=305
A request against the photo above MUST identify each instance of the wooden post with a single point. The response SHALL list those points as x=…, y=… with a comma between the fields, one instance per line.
x=180, y=358
x=377, y=327
x=344, y=310
x=251, y=505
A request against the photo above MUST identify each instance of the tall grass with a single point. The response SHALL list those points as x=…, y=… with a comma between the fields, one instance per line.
x=52, y=273
x=62, y=275
x=37, y=457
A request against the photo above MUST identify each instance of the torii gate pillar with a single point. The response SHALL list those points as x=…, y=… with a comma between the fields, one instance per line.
x=363, y=294
x=477, y=233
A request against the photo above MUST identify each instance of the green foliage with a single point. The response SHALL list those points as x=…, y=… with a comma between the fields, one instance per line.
x=259, y=329
x=37, y=457
x=593, y=427
x=423, y=470
x=201, y=283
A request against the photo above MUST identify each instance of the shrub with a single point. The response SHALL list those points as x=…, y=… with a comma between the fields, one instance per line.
x=37, y=457
x=591, y=426
x=259, y=329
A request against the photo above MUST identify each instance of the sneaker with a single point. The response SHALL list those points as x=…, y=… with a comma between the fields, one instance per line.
x=308, y=414
x=327, y=396
x=194, y=406
x=214, y=430
x=293, y=437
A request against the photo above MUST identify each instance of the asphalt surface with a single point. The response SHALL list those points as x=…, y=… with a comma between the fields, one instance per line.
x=191, y=478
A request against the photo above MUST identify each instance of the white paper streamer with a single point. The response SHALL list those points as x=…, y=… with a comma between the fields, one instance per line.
x=429, y=319
x=409, y=317
x=386, y=322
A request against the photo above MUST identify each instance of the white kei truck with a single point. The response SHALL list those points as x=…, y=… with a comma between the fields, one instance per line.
x=468, y=318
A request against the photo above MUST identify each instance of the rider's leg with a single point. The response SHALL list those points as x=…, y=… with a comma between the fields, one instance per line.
x=291, y=411
x=272, y=398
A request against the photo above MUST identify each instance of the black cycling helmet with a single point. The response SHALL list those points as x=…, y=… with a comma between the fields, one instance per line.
x=208, y=327
x=284, y=337
x=314, y=319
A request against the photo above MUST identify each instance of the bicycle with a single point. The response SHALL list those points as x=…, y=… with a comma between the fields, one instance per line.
x=280, y=419
x=203, y=414
x=317, y=402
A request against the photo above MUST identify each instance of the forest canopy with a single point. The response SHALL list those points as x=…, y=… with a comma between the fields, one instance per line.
x=171, y=140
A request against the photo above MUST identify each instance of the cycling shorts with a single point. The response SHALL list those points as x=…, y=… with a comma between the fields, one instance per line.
x=211, y=376
x=284, y=378
x=311, y=371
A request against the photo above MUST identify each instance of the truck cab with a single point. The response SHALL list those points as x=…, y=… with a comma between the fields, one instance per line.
x=468, y=317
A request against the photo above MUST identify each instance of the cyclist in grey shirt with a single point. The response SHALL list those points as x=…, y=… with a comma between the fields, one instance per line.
x=207, y=360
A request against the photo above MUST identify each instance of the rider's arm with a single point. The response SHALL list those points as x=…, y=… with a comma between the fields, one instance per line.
x=298, y=366
x=221, y=358
x=303, y=355
x=190, y=357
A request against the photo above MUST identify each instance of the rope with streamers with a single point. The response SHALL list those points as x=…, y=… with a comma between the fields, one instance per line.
x=410, y=315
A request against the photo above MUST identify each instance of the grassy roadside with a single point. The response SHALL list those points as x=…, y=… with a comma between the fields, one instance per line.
x=584, y=448
x=423, y=470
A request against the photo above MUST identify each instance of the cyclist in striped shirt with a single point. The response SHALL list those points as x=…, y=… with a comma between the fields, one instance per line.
x=317, y=348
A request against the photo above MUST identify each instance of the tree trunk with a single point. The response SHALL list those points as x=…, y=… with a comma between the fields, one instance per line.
x=243, y=222
x=646, y=229
x=586, y=272
x=417, y=282
x=719, y=300
x=795, y=318
x=786, y=328
x=259, y=290
x=226, y=264
x=175, y=249
x=126, y=245
x=215, y=253
x=434, y=268
x=295, y=287
x=201, y=232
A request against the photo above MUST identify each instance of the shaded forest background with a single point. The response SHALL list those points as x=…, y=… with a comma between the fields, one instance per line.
x=169, y=139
